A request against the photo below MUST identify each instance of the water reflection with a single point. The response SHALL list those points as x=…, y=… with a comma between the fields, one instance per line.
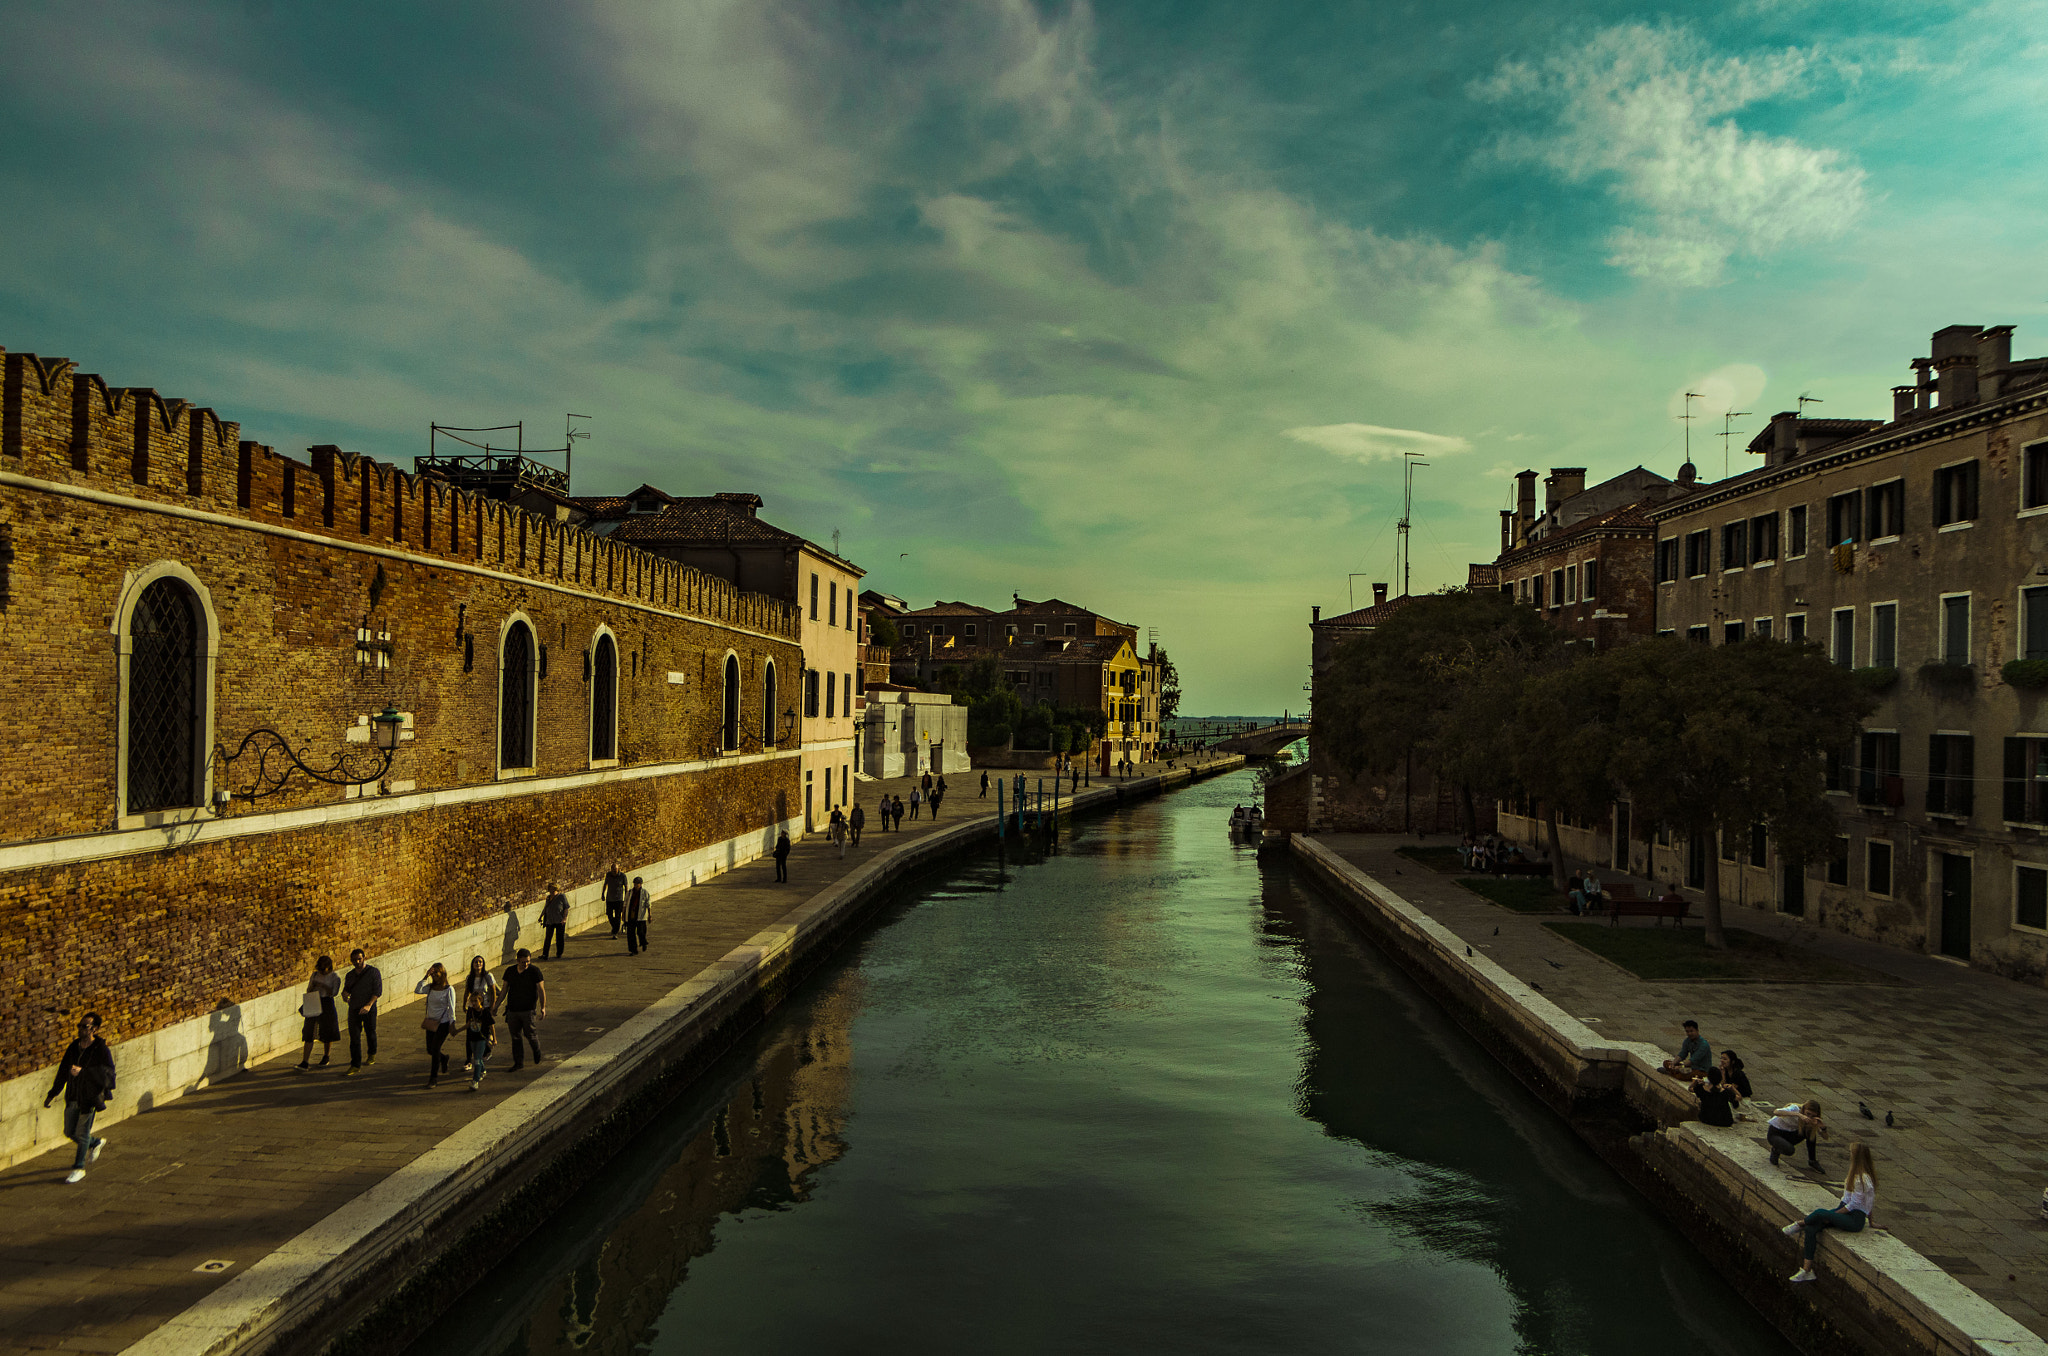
x=1140, y=1094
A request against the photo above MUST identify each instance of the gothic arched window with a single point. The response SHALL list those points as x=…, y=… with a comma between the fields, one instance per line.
x=604, y=701
x=166, y=668
x=515, y=698
x=768, y=707
x=731, y=733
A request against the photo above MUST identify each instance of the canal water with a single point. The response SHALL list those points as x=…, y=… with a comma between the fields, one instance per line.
x=1149, y=1094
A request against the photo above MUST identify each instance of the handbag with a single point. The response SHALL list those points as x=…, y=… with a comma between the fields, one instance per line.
x=429, y=1024
x=309, y=1006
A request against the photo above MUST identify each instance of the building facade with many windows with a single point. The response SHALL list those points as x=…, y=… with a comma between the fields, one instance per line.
x=1915, y=550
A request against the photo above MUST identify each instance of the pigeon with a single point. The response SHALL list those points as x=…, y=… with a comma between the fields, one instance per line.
x=1468, y=951
x=1534, y=985
x=1888, y=1122
x=1555, y=965
x=1496, y=932
x=1865, y=1112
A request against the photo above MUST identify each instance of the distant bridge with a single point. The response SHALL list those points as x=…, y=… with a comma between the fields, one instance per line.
x=1266, y=741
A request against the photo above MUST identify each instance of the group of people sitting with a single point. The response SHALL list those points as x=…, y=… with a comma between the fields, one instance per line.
x=1721, y=1087
x=1489, y=853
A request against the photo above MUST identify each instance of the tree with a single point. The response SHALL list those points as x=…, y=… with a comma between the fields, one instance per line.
x=882, y=631
x=1169, y=689
x=1561, y=744
x=1723, y=738
x=993, y=707
x=1438, y=679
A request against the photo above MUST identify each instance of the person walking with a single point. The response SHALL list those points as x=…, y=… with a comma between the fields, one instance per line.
x=361, y=988
x=1859, y=1199
x=836, y=831
x=526, y=1002
x=554, y=919
x=926, y=784
x=439, y=1018
x=782, y=855
x=855, y=822
x=482, y=1023
x=938, y=794
x=916, y=799
x=639, y=908
x=316, y=1006
x=478, y=982
x=896, y=812
x=85, y=1075
x=615, y=898
x=984, y=784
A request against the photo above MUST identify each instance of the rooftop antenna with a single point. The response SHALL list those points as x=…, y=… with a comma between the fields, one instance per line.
x=1806, y=400
x=1352, y=589
x=1408, y=465
x=835, y=541
x=1726, y=417
x=1688, y=417
x=572, y=433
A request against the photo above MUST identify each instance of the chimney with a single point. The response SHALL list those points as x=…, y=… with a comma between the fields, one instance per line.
x=1953, y=352
x=1379, y=594
x=1923, y=383
x=1525, y=505
x=1784, y=438
x=1507, y=531
x=1562, y=484
x=1902, y=403
x=1994, y=355
x=1315, y=614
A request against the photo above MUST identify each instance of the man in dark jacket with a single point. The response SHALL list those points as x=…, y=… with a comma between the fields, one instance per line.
x=856, y=822
x=361, y=987
x=554, y=920
x=615, y=897
x=85, y=1076
x=639, y=908
x=782, y=856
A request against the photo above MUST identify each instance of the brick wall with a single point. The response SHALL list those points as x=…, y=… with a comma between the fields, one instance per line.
x=99, y=483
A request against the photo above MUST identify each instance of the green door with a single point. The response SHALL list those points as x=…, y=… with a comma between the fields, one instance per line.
x=1955, y=905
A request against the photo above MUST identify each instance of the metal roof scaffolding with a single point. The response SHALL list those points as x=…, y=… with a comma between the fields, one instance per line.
x=499, y=472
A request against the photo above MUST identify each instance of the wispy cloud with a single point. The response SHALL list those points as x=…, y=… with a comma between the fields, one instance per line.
x=1650, y=111
x=1370, y=443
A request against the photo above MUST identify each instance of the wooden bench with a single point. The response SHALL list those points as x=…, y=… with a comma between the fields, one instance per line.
x=1676, y=910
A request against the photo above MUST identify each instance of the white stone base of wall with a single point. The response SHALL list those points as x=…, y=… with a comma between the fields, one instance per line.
x=164, y=1065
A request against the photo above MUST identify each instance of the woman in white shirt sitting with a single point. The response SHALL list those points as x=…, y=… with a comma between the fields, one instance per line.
x=1859, y=1198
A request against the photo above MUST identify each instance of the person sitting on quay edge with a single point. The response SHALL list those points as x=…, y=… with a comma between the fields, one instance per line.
x=85, y=1075
x=1733, y=1077
x=1695, y=1056
x=1859, y=1199
x=1793, y=1125
x=1717, y=1100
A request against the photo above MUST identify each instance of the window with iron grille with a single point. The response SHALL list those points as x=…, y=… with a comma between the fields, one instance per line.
x=604, y=701
x=1951, y=771
x=515, y=699
x=166, y=659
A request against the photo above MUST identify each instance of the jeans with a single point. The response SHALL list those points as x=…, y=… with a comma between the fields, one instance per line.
x=558, y=934
x=636, y=936
x=855, y=831
x=1848, y=1221
x=518, y=1024
x=78, y=1126
x=1784, y=1142
x=615, y=914
x=362, y=1029
x=436, y=1061
x=479, y=1051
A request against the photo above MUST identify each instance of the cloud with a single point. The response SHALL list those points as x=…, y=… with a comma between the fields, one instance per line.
x=1369, y=443
x=1726, y=388
x=1649, y=112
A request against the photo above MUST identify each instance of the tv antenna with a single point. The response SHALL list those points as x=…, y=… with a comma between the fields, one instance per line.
x=1688, y=417
x=570, y=434
x=1727, y=417
x=1352, y=589
x=1408, y=465
x=1806, y=400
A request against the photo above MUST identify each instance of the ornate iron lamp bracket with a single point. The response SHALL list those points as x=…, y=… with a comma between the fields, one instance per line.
x=276, y=760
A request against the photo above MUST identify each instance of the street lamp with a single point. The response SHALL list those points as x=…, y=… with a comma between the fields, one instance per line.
x=271, y=776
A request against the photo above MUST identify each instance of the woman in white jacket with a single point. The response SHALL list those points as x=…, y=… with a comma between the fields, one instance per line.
x=1859, y=1199
x=439, y=1019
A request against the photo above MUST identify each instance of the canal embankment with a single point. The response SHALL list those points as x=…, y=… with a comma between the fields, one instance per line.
x=1876, y=1294
x=370, y=1207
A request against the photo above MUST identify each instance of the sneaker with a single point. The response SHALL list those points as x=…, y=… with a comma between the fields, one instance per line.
x=351, y=1071
x=325, y=1060
x=1792, y=1230
x=1774, y=1158
x=97, y=1145
x=1799, y=1276
x=371, y=1060
x=302, y=1066
x=76, y=1175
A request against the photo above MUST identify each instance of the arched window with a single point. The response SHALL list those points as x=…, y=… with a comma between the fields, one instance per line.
x=166, y=668
x=732, y=702
x=768, y=707
x=604, y=701
x=515, y=698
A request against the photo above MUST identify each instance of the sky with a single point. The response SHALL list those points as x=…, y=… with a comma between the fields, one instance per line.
x=1135, y=303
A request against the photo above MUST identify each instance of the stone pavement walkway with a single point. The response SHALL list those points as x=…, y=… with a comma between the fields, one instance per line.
x=229, y=1173
x=1959, y=1056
